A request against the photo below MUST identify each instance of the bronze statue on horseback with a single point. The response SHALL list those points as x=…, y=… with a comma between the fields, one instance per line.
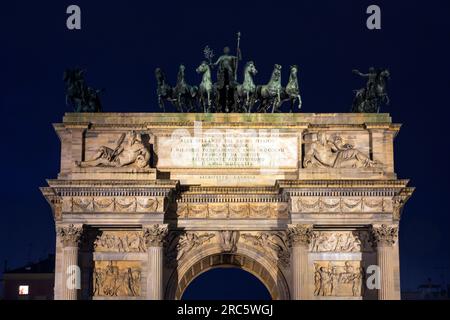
x=370, y=98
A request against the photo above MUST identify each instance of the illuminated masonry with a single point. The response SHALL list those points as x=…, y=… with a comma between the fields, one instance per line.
x=144, y=203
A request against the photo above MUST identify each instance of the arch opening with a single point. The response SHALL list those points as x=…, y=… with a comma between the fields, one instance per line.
x=226, y=283
x=179, y=282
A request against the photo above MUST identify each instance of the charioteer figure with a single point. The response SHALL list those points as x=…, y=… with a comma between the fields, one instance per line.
x=226, y=73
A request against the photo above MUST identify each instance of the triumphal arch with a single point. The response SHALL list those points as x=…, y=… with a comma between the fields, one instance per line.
x=308, y=203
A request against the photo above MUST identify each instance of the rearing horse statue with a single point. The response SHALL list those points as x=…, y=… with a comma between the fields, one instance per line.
x=270, y=94
x=164, y=91
x=245, y=94
x=292, y=91
x=184, y=94
x=206, y=87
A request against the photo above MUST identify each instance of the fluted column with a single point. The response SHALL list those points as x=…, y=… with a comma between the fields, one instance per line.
x=299, y=237
x=154, y=239
x=68, y=281
x=386, y=237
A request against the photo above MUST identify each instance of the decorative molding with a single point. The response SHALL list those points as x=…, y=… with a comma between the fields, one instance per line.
x=385, y=234
x=341, y=204
x=253, y=210
x=300, y=234
x=113, y=204
x=155, y=234
x=70, y=236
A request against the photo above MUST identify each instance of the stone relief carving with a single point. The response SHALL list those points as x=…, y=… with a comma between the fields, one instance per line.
x=232, y=210
x=338, y=278
x=273, y=244
x=385, y=234
x=299, y=234
x=180, y=244
x=112, y=204
x=155, y=234
x=118, y=241
x=117, y=279
x=330, y=151
x=342, y=205
x=228, y=240
x=70, y=235
x=340, y=241
x=132, y=153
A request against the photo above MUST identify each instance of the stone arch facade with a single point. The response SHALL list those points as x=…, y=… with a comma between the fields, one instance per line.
x=144, y=226
x=250, y=260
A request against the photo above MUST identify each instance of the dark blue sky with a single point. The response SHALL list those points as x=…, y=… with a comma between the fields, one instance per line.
x=121, y=43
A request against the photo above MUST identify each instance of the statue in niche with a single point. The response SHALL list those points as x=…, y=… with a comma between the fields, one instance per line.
x=331, y=152
x=133, y=153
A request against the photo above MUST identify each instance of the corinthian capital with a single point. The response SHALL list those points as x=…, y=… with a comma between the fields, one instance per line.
x=70, y=235
x=154, y=235
x=299, y=234
x=385, y=234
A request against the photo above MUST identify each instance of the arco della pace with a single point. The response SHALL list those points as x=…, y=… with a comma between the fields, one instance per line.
x=146, y=202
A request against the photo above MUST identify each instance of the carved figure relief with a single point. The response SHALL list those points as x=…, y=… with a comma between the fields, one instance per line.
x=338, y=278
x=120, y=241
x=341, y=241
x=179, y=244
x=330, y=151
x=117, y=279
x=132, y=153
x=228, y=240
x=273, y=244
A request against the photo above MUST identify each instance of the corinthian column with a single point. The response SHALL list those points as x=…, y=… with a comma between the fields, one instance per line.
x=154, y=239
x=388, y=261
x=70, y=278
x=299, y=237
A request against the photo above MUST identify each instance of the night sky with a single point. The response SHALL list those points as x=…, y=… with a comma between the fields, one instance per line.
x=122, y=42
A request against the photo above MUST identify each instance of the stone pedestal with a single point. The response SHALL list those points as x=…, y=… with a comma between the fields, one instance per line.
x=69, y=282
x=387, y=257
x=300, y=237
x=154, y=238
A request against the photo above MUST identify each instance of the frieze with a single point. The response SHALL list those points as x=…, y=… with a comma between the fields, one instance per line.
x=120, y=241
x=117, y=279
x=113, y=204
x=341, y=241
x=338, y=279
x=232, y=210
x=342, y=204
